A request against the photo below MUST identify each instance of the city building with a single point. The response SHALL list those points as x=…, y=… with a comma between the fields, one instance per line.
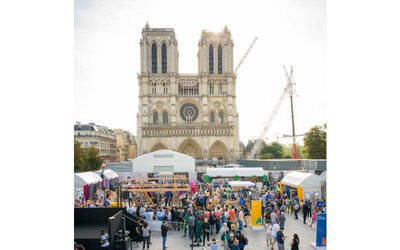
x=100, y=137
x=126, y=145
x=132, y=146
x=194, y=114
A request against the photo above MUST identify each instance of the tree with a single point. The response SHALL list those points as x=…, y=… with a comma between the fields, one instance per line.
x=315, y=142
x=274, y=149
x=79, y=157
x=86, y=159
x=288, y=151
x=93, y=160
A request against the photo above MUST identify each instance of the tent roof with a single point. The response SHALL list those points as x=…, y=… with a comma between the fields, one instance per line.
x=305, y=180
x=231, y=172
x=241, y=183
x=86, y=178
x=108, y=174
x=323, y=175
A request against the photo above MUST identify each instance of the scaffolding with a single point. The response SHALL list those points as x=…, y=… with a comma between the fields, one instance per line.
x=143, y=186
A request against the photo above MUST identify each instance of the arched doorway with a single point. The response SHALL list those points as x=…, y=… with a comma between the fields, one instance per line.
x=191, y=147
x=218, y=150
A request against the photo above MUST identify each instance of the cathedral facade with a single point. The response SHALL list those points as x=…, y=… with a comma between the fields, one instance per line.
x=194, y=114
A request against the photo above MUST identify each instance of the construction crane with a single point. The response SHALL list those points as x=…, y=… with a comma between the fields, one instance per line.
x=245, y=55
x=268, y=123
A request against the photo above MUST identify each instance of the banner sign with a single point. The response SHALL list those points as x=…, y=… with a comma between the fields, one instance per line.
x=256, y=219
x=321, y=230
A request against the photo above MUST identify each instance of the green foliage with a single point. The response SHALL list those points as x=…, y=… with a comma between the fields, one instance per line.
x=267, y=156
x=86, y=159
x=315, y=143
x=79, y=157
x=93, y=159
x=272, y=151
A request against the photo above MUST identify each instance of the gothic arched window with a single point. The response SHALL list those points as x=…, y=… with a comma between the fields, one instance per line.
x=212, y=117
x=165, y=118
x=155, y=118
x=211, y=59
x=164, y=58
x=154, y=58
x=220, y=59
x=221, y=117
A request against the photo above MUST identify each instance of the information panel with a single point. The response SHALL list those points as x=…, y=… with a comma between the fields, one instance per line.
x=256, y=213
x=321, y=230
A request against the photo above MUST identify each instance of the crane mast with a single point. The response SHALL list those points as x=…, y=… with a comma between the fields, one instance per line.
x=268, y=123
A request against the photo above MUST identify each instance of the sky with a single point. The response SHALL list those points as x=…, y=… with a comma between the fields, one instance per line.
x=289, y=32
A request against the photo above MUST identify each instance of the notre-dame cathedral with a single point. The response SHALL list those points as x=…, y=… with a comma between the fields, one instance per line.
x=194, y=114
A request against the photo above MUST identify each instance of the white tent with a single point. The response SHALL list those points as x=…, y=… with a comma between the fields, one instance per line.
x=241, y=184
x=309, y=183
x=108, y=174
x=163, y=161
x=323, y=175
x=231, y=172
x=81, y=179
x=304, y=180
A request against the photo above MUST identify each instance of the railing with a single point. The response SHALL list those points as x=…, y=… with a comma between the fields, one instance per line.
x=187, y=130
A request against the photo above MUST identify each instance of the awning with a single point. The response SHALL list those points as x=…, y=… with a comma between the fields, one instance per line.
x=231, y=172
x=81, y=179
x=108, y=174
x=304, y=180
x=241, y=183
x=323, y=175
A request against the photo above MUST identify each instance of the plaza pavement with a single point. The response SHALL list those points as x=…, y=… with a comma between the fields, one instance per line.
x=257, y=239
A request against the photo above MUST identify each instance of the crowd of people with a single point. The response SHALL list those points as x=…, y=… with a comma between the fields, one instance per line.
x=215, y=215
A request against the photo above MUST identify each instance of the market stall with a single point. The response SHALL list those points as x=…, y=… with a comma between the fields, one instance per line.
x=110, y=177
x=84, y=184
x=235, y=173
x=240, y=184
x=307, y=185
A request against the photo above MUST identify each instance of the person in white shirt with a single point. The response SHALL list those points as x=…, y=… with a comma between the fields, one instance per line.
x=275, y=229
x=132, y=209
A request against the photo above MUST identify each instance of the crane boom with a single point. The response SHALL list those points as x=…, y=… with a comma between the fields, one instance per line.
x=268, y=123
x=245, y=55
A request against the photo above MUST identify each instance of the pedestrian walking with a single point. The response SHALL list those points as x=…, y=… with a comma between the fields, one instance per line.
x=268, y=233
x=313, y=216
x=305, y=212
x=197, y=232
x=146, y=235
x=275, y=229
x=206, y=231
x=296, y=208
x=282, y=220
x=280, y=239
x=295, y=242
x=164, y=230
